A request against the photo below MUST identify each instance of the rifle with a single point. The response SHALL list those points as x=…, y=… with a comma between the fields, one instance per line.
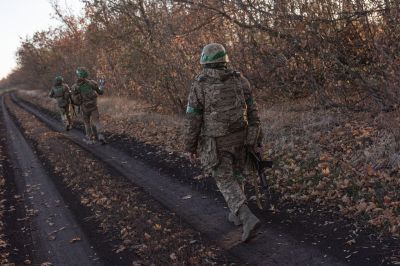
x=260, y=165
x=73, y=109
x=73, y=106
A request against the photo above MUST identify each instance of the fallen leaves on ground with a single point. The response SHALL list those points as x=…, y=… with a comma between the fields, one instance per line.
x=344, y=162
x=134, y=221
x=75, y=239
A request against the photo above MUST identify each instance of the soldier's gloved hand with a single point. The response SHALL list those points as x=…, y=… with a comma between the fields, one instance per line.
x=102, y=82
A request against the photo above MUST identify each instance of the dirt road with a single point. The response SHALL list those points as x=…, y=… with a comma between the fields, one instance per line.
x=123, y=223
x=203, y=212
x=54, y=229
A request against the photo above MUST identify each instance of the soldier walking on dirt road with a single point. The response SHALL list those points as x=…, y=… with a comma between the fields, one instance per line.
x=61, y=93
x=222, y=124
x=84, y=93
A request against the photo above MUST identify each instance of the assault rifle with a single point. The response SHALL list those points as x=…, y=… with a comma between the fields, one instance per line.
x=74, y=112
x=260, y=165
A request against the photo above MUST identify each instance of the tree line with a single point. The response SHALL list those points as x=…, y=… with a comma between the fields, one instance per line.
x=330, y=52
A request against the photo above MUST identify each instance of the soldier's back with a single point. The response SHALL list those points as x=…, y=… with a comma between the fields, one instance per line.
x=224, y=102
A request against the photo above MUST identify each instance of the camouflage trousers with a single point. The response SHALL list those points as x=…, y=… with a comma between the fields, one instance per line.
x=227, y=183
x=65, y=115
x=91, y=119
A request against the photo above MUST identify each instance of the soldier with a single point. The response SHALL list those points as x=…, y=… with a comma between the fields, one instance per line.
x=61, y=93
x=222, y=123
x=84, y=93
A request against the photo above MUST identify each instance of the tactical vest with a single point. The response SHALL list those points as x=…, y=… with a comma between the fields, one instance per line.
x=87, y=92
x=225, y=109
x=59, y=94
x=88, y=97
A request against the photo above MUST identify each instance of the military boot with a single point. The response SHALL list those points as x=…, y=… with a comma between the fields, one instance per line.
x=233, y=218
x=250, y=223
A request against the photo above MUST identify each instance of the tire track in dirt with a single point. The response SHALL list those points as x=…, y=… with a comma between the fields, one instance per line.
x=56, y=236
x=201, y=211
x=138, y=229
x=15, y=238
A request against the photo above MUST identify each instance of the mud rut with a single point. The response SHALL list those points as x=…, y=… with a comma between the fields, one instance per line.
x=48, y=206
x=201, y=211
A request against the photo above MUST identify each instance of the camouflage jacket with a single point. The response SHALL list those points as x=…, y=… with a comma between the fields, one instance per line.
x=62, y=94
x=220, y=103
x=84, y=92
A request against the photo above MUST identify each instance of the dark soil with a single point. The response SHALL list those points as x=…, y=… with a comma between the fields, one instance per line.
x=105, y=242
x=17, y=225
x=102, y=241
x=322, y=228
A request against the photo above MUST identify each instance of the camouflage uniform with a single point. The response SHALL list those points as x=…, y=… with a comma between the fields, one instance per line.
x=222, y=118
x=84, y=93
x=61, y=93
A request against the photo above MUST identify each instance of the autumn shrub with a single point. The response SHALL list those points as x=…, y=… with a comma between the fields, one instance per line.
x=326, y=74
x=332, y=53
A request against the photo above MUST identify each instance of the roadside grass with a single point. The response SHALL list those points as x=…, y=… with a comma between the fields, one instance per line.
x=122, y=116
x=340, y=160
x=5, y=90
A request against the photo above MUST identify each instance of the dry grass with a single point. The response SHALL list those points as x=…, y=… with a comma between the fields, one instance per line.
x=127, y=117
x=338, y=159
x=134, y=111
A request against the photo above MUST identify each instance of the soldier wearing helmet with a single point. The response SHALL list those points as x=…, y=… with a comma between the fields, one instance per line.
x=84, y=94
x=61, y=92
x=222, y=122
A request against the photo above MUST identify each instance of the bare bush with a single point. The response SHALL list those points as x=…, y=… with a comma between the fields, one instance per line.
x=341, y=53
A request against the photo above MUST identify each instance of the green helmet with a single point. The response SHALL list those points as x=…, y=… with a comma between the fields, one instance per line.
x=213, y=53
x=82, y=72
x=58, y=79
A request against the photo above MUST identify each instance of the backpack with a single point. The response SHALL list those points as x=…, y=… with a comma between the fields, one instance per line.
x=59, y=95
x=225, y=109
x=85, y=95
x=82, y=93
